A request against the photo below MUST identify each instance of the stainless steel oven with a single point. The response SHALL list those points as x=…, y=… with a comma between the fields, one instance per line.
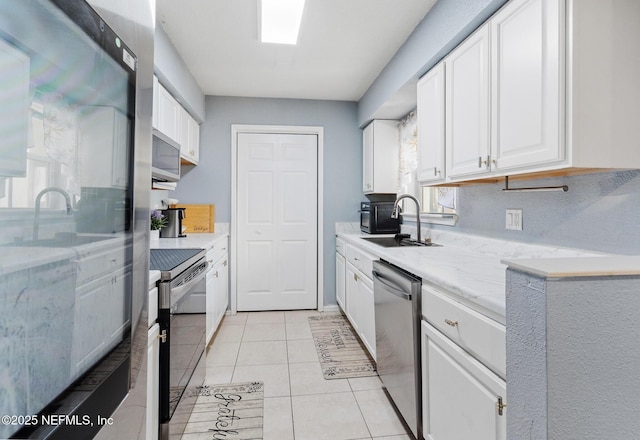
x=182, y=334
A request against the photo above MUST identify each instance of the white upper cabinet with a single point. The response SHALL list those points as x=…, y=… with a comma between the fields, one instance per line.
x=431, y=125
x=526, y=89
x=103, y=139
x=189, y=138
x=380, y=157
x=537, y=90
x=467, y=106
x=173, y=120
x=167, y=112
x=603, y=90
x=14, y=111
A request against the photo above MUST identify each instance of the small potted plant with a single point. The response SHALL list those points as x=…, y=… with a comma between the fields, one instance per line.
x=158, y=221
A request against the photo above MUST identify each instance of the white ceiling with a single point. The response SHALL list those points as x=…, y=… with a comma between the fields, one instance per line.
x=342, y=47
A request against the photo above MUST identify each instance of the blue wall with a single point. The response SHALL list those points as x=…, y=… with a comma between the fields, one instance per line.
x=446, y=25
x=175, y=77
x=210, y=181
x=600, y=212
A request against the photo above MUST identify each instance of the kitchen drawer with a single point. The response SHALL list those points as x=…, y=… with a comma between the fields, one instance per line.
x=99, y=264
x=482, y=337
x=361, y=260
x=217, y=251
x=340, y=246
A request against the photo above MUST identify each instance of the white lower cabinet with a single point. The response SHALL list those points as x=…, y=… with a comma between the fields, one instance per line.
x=367, y=315
x=461, y=398
x=101, y=317
x=153, y=381
x=358, y=296
x=340, y=280
x=217, y=287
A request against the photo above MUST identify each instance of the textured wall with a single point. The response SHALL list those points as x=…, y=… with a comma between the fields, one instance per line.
x=573, y=357
x=600, y=212
x=526, y=357
x=593, y=358
x=210, y=181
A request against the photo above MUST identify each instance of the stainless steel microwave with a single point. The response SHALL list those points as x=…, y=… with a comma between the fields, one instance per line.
x=165, y=159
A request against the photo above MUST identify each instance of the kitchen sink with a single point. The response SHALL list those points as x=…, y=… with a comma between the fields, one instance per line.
x=399, y=240
x=62, y=240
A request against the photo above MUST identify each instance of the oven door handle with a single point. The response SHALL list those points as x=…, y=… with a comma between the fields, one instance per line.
x=178, y=292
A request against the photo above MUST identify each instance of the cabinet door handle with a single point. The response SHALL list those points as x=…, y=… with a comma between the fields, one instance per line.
x=451, y=323
x=483, y=162
x=163, y=336
x=501, y=406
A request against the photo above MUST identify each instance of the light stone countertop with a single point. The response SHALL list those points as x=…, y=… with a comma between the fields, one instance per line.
x=15, y=258
x=192, y=241
x=615, y=265
x=154, y=276
x=469, y=268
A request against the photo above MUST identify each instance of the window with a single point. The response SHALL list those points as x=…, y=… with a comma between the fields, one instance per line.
x=47, y=164
x=438, y=203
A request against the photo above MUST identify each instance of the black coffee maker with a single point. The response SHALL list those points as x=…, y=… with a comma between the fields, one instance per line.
x=174, y=218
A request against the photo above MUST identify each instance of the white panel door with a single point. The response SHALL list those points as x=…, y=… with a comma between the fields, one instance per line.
x=277, y=198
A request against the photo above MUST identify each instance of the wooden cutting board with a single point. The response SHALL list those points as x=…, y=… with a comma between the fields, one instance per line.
x=198, y=218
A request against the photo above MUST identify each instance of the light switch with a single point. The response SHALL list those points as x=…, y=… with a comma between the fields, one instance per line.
x=514, y=219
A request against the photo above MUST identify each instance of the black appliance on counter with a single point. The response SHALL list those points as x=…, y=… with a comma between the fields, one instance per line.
x=375, y=218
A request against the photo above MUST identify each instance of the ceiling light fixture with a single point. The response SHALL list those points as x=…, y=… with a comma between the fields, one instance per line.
x=280, y=21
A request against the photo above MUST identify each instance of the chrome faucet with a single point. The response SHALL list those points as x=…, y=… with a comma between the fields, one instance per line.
x=36, y=218
x=396, y=208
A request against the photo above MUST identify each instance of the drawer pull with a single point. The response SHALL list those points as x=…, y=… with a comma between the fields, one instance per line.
x=451, y=323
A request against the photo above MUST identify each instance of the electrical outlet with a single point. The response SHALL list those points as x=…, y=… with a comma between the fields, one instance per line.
x=514, y=219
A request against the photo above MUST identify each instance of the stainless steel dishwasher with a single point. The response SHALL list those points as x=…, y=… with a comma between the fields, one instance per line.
x=397, y=310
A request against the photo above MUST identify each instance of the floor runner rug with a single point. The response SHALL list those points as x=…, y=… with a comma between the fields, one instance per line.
x=231, y=411
x=340, y=351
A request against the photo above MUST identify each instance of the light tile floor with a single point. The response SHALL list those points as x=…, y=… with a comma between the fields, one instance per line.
x=277, y=348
